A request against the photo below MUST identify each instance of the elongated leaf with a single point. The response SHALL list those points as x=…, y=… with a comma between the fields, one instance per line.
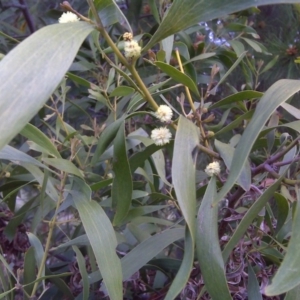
x=102, y=238
x=18, y=156
x=184, y=271
x=33, y=70
x=83, y=273
x=138, y=158
x=133, y=261
x=183, y=170
x=39, y=176
x=208, y=248
x=292, y=110
x=184, y=177
x=278, y=93
x=34, y=134
x=154, y=10
x=244, y=95
x=184, y=14
x=121, y=91
x=236, y=63
x=253, y=286
x=106, y=138
x=38, y=251
x=122, y=183
x=282, y=210
x=178, y=76
x=293, y=294
x=63, y=165
x=288, y=275
x=226, y=151
x=247, y=220
x=110, y=13
x=29, y=271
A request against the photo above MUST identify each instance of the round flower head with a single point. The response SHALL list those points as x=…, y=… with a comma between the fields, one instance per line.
x=68, y=17
x=132, y=49
x=213, y=169
x=161, y=136
x=127, y=36
x=164, y=113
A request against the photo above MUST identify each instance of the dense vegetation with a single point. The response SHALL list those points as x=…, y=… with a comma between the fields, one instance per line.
x=149, y=150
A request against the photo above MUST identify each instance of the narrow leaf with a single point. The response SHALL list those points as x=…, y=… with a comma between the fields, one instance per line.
x=106, y=138
x=34, y=134
x=29, y=271
x=278, y=93
x=226, y=151
x=83, y=272
x=190, y=12
x=208, y=248
x=184, y=181
x=149, y=248
x=288, y=275
x=178, y=76
x=122, y=183
x=101, y=236
x=63, y=165
x=253, y=286
x=247, y=220
x=121, y=91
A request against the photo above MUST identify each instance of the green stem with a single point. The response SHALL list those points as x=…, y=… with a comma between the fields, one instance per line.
x=52, y=224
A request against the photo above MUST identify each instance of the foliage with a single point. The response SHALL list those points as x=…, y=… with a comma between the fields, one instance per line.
x=102, y=208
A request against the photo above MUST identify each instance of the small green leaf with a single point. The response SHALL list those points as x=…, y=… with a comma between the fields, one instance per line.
x=282, y=210
x=79, y=80
x=178, y=76
x=106, y=138
x=34, y=134
x=121, y=91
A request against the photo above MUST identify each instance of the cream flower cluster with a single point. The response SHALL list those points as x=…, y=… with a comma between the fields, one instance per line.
x=161, y=136
x=213, y=169
x=68, y=17
x=164, y=113
x=131, y=47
